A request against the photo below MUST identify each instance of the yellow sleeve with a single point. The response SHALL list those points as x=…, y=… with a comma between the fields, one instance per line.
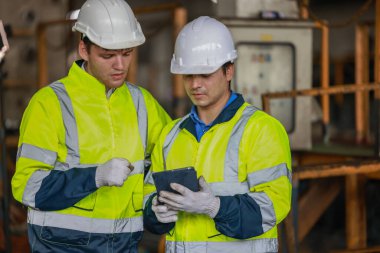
x=157, y=160
x=39, y=139
x=268, y=157
x=157, y=119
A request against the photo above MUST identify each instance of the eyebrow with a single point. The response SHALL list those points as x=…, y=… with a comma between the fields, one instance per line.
x=126, y=50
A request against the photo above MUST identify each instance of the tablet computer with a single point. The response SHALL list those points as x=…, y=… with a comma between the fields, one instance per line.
x=183, y=176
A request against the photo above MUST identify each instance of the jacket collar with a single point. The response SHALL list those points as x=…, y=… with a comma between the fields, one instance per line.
x=226, y=114
x=83, y=80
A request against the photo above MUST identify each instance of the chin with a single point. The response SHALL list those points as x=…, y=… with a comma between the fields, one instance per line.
x=199, y=101
x=116, y=85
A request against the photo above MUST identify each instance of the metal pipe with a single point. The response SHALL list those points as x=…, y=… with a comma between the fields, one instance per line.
x=349, y=88
x=324, y=77
x=336, y=169
x=356, y=218
x=304, y=12
x=325, y=73
x=361, y=76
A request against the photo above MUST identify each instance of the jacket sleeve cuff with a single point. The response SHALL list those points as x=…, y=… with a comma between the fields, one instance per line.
x=214, y=207
x=62, y=189
x=150, y=220
x=239, y=217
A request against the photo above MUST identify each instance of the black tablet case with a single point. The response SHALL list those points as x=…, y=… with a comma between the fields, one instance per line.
x=183, y=176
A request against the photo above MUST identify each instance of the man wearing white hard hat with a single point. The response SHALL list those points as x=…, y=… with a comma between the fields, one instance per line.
x=241, y=156
x=85, y=140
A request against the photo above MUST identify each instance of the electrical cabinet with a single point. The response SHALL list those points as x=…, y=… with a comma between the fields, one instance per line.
x=275, y=56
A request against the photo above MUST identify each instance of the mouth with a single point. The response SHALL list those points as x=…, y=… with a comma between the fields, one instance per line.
x=118, y=76
x=197, y=95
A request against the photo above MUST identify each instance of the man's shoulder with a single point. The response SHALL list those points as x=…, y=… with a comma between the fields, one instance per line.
x=45, y=93
x=147, y=95
x=44, y=99
x=261, y=119
x=169, y=126
x=174, y=122
x=132, y=86
x=256, y=113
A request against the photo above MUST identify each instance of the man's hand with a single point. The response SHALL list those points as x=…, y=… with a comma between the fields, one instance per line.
x=113, y=173
x=163, y=213
x=202, y=202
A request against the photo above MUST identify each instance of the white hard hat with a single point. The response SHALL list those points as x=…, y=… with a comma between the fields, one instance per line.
x=109, y=24
x=202, y=47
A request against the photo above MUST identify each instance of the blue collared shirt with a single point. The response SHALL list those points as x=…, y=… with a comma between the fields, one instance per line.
x=200, y=126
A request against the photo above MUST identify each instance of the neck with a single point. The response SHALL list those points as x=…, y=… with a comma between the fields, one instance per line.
x=84, y=66
x=210, y=113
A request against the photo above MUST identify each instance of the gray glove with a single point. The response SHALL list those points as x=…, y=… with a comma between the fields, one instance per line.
x=113, y=173
x=202, y=202
x=163, y=213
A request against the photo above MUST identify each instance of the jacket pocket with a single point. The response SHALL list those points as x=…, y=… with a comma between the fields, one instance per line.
x=212, y=232
x=65, y=236
x=88, y=203
x=66, y=231
x=137, y=201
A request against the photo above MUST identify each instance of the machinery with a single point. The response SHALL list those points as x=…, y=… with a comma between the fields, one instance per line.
x=276, y=56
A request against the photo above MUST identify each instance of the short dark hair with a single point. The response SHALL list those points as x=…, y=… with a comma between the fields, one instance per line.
x=224, y=69
x=87, y=42
x=225, y=66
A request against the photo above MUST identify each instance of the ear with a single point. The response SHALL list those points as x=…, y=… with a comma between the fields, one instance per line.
x=230, y=70
x=82, y=50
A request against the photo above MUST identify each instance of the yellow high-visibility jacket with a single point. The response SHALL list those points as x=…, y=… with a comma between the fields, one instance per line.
x=245, y=158
x=68, y=129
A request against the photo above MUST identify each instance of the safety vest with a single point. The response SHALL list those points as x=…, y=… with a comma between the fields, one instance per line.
x=71, y=124
x=223, y=157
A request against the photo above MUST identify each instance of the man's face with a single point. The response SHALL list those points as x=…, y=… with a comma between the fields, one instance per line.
x=210, y=90
x=110, y=67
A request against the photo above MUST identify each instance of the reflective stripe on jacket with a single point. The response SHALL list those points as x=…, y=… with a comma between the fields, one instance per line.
x=68, y=129
x=246, y=155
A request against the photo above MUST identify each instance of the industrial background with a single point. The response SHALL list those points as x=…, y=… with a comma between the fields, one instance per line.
x=313, y=64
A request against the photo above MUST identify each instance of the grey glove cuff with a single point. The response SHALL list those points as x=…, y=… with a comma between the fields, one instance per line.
x=102, y=178
x=213, y=208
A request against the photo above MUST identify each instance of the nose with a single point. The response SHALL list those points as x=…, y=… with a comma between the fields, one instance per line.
x=195, y=81
x=118, y=62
